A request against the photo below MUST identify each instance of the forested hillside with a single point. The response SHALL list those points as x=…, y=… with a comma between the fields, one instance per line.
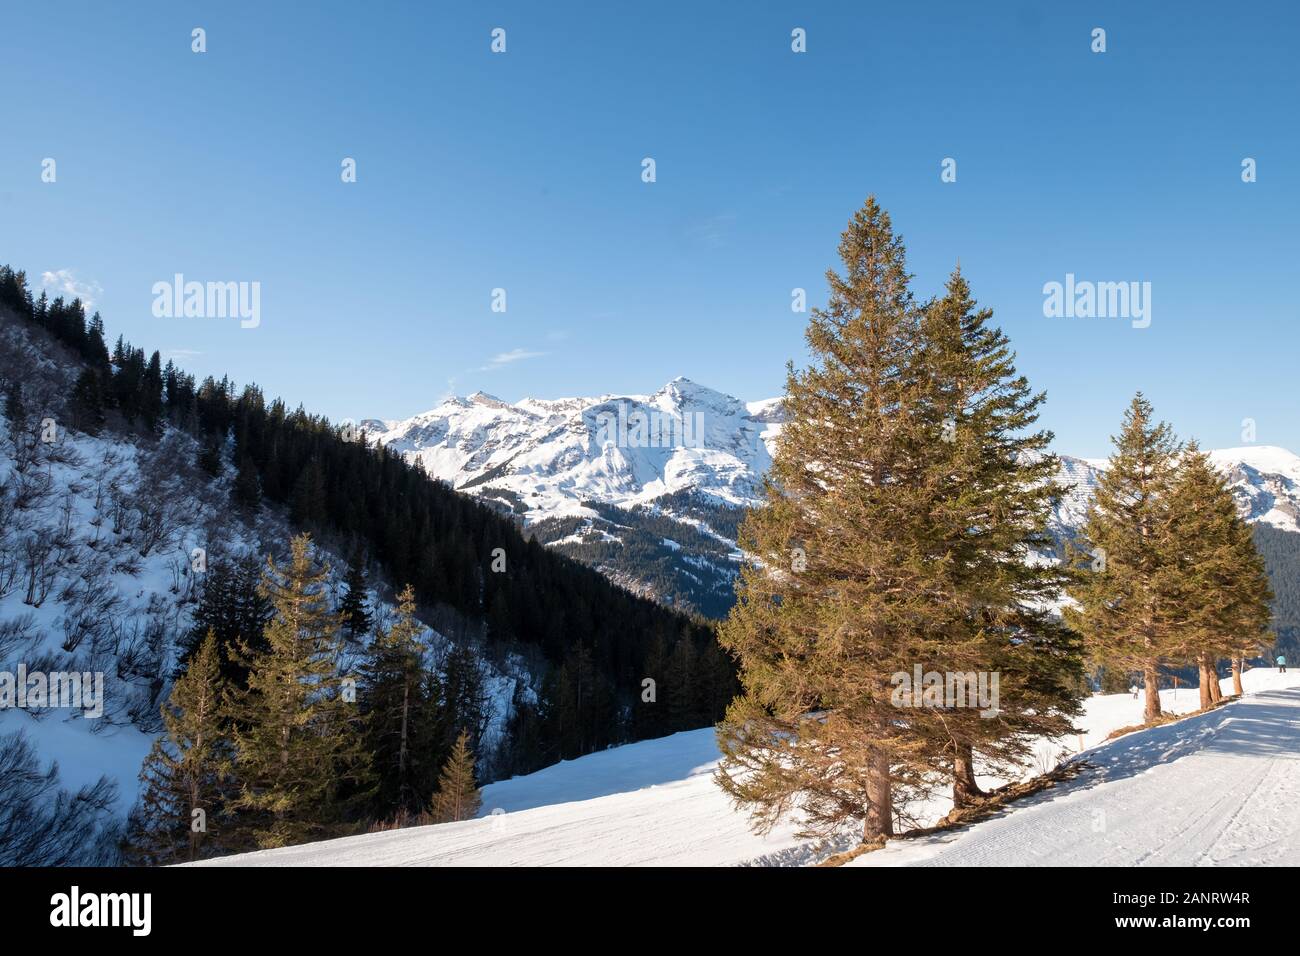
x=1281, y=551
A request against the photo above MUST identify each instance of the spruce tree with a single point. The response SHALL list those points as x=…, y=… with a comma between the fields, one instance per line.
x=232, y=607
x=1127, y=584
x=991, y=477
x=247, y=489
x=209, y=458
x=151, y=385
x=837, y=600
x=681, y=685
x=308, y=502
x=88, y=402
x=397, y=711
x=183, y=780
x=458, y=796
x=1223, y=595
x=296, y=736
x=354, y=605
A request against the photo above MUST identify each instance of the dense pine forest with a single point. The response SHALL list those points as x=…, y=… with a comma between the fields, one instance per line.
x=1281, y=551
x=473, y=574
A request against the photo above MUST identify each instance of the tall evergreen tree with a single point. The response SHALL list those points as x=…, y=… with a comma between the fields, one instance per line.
x=1127, y=587
x=1223, y=595
x=151, y=400
x=354, y=606
x=296, y=736
x=397, y=707
x=839, y=599
x=183, y=780
x=231, y=606
x=682, y=685
x=209, y=457
x=463, y=694
x=307, y=507
x=87, y=404
x=992, y=481
x=247, y=489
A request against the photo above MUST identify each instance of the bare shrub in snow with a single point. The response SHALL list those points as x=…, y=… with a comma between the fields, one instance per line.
x=44, y=825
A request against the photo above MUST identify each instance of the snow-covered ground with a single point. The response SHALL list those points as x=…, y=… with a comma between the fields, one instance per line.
x=1218, y=789
x=1223, y=787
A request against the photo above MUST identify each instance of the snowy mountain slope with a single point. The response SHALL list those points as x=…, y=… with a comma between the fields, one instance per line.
x=110, y=609
x=678, y=464
x=613, y=503
x=98, y=539
x=1266, y=481
x=655, y=803
x=553, y=455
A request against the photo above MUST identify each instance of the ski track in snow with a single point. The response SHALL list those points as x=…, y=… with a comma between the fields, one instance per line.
x=1218, y=789
x=1221, y=788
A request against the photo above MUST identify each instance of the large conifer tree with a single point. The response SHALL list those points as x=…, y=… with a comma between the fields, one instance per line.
x=1127, y=587
x=993, y=492
x=297, y=741
x=401, y=723
x=838, y=599
x=1223, y=593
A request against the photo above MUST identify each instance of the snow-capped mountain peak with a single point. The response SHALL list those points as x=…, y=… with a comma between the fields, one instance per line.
x=623, y=449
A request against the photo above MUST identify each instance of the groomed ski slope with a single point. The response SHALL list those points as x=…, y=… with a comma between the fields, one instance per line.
x=1221, y=788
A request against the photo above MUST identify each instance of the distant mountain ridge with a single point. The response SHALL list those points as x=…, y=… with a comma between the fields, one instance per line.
x=662, y=520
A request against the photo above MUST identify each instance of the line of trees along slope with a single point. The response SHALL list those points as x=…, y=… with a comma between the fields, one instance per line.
x=904, y=536
x=469, y=566
x=1171, y=575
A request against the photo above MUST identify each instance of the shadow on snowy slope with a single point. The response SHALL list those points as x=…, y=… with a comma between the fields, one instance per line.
x=647, y=763
x=1262, y=725
x=1242, y=729
x=1257, y=728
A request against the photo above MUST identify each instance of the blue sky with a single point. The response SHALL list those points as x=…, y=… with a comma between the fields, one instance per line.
x=523, y=171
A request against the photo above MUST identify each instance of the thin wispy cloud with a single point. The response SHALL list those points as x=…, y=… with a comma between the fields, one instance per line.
x=713, y=231
x=181, y=354
x=502, y=359
x=65, y=281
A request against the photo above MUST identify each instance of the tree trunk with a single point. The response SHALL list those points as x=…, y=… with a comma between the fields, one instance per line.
x=880, y=800
x=1237, y=663
x=401, y=748
x=1151, y=681
x=1216, y=689
x=965, y=790
x=1203, y=669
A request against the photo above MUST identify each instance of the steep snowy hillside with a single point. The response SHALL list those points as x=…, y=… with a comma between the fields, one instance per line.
x=656, y=507
x=104, y=543
x=654, y=803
